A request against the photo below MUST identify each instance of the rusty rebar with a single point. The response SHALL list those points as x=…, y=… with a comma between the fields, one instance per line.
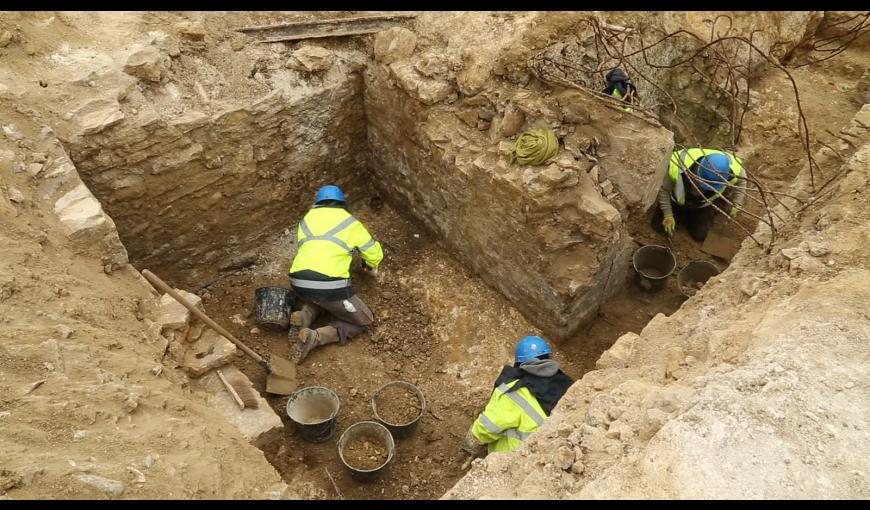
x=720, y=67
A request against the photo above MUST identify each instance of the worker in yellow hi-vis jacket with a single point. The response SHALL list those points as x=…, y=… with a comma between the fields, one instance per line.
x=327, y=237
x=523, y=397
x=619, y=85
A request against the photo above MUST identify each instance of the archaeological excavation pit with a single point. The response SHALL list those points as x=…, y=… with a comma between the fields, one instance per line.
x=206, y=186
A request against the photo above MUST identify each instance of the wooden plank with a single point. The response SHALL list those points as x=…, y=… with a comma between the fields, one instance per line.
x=338, y=27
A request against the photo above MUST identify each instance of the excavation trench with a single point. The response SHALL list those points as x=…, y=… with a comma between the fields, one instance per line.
x=476, y=254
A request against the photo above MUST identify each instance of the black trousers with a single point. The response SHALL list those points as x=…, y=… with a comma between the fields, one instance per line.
x=698, y=221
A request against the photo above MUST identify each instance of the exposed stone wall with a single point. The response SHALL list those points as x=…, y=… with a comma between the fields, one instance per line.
x=551, y=238
x=192, y=192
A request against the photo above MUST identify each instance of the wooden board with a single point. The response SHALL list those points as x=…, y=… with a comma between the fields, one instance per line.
x=338, y=27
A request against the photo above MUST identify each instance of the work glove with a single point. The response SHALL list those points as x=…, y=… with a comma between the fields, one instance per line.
x=733, y=212
x=669, y=223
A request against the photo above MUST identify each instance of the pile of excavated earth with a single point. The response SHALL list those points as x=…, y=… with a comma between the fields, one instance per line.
x=176, y=143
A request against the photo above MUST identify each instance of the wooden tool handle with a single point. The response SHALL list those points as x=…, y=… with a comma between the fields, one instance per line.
x=230, y=389
x=160, y=284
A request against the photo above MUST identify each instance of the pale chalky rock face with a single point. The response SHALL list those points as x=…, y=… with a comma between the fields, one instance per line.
x=98, y=115
x=84, y=222
x=110, y=487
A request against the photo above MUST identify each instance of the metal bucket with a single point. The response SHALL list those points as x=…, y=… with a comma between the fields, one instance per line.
x=314, y=411
x=375, y=432
x=696, y=271
x=400, y=430
x=653, y=264
x=273, y=305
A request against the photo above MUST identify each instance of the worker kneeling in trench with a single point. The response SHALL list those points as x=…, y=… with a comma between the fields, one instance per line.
x=320, y=273
x=715, y=174
x=523, y=397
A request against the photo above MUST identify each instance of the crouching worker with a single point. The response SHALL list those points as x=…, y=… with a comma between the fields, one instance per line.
x=523, y=398
x=717, y=174
x=320, y=273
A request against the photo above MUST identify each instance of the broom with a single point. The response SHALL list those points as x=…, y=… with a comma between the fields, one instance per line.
x=241, y=391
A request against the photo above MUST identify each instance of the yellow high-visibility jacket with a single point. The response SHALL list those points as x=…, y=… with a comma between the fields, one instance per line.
x=618, y=95
x=508, y=419
x=326, y=238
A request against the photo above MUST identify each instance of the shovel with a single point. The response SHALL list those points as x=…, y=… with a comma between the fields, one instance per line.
x=282, y=374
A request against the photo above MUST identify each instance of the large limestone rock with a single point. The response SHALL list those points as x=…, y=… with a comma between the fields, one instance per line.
x=312, y=59
x=259, y=426
x=84, y=222
x=173, y=315
x=394, y=44
x=146, y=63
x=98, y=115
x=210, y=351
x=426, y=90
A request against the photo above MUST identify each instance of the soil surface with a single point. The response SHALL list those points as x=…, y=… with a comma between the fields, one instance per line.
x=437, y=327
x=365, y=453
x=397, y=405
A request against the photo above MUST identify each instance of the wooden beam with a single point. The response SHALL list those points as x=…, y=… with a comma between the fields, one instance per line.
x=338, y=27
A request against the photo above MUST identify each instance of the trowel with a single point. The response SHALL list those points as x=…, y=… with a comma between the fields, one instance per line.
x=282, y=373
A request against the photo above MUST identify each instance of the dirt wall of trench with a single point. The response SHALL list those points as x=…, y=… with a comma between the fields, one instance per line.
x=87, y=408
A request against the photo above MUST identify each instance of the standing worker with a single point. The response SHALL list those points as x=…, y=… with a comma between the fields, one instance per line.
x=619, y=85
x=523, y=398
x=320, y=272
x=712, y=171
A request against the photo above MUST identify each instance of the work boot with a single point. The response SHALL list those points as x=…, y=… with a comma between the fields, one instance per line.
x=301, y=318
x=308, y=340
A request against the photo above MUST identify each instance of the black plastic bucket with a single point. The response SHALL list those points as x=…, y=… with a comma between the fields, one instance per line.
x=400, y=430
x=273, y=305
x=371, y=431
x=695, y=272
x=314, y=411
x=653, y=264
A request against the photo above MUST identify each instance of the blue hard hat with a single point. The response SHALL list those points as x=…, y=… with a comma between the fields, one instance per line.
x=530, y=347
x=329, y=193
x=714, y=167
